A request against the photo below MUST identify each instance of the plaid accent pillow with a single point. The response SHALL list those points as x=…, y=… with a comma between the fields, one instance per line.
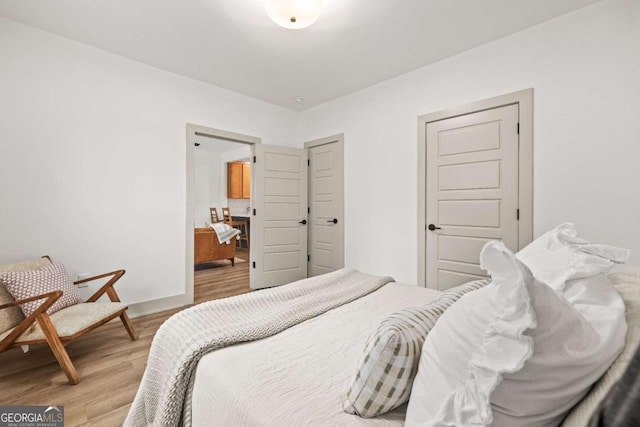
x=390, y=360
x=52, y=277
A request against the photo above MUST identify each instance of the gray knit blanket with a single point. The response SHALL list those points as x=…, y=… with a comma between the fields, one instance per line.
x=225, y=232
x=164, y=395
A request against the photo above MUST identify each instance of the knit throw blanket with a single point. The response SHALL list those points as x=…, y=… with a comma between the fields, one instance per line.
x=164, y=396
x=225, y=232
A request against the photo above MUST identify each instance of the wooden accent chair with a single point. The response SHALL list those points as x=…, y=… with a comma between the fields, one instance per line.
x=240, y=225
x=214, y=215
x=62, y=327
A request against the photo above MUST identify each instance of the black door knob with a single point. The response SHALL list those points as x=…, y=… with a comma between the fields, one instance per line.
x=303, y=222
x=334, y=220
x=432, y=227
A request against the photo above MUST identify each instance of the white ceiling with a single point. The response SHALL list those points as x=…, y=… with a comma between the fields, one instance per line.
x=234, y=45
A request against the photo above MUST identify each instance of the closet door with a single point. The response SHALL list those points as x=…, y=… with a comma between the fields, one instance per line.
x=326, y=219
x=472, y=192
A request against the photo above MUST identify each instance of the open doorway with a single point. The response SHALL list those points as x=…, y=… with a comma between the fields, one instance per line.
x=219, y=213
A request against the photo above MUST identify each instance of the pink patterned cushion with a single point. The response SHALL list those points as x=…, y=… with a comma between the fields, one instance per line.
x=52, y=277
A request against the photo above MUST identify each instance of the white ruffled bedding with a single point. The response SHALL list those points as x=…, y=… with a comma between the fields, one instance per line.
x=299, y=376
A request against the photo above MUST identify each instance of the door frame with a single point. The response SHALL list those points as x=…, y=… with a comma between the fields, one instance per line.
x=194, y=130
x=338, y=139
x=524, y=100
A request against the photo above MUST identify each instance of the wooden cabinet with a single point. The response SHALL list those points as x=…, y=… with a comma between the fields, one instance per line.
x=246, y=181
x=238, y=180
x=234, y=180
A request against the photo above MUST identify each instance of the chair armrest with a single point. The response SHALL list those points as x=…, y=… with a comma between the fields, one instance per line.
x=106, y=288
x=53, y=295
x=51, y=298
x=100, y=276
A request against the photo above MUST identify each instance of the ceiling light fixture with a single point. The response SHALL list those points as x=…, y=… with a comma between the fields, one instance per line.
x=294, y=14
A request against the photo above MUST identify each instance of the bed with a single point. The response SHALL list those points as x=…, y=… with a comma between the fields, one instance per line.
x=292, y=361
x=304, y=366
x=299, y=376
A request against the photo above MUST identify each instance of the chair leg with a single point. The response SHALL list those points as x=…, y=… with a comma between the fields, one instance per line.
x=58, y=349
x=128, y=326
x=233, y=261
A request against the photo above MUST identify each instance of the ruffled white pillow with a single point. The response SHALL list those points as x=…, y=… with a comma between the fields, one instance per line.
x=514, y=353
x=560, y=255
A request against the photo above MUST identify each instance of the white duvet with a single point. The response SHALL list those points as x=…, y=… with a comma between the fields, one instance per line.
x=299, y=376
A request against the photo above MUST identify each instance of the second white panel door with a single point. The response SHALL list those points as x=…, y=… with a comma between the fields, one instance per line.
x=326, y=245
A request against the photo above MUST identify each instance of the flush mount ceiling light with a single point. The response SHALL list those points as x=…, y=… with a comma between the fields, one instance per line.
x=294, y=14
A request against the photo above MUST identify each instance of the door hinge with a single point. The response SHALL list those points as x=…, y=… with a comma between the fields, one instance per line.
x=308, y=162
x=308, y=210
x=518, y=214
x=253, y=264
x=254, y=212
x=518, y=128
x=308, y=258
x=254, y=159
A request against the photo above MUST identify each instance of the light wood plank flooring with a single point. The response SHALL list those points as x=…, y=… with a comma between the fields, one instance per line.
x=109, y=364
x=221, y=280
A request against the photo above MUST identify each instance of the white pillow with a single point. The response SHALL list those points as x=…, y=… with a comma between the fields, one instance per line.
x=627, y=285
x=514, y=353
x=560, y=255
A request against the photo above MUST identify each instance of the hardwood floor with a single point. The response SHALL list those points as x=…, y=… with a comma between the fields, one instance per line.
x=222, y=280
x=110, y=365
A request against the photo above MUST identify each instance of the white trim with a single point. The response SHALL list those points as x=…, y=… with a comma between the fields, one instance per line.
x=155, y=306
x=524, y=99
x=192, y=131
x=339, y=139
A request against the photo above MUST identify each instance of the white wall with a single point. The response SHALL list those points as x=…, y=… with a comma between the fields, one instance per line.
x=92, y=145
x=207, y=169
x=239, y=206
x=93, y=157
x=585, y=71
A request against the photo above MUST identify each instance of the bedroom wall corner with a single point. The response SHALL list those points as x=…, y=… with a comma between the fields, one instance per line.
x=583, y=69
x=94, y=162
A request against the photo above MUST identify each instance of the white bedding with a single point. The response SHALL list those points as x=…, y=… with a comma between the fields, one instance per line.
x=299, y=376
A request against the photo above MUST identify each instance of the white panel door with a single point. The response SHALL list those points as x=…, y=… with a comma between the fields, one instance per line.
x=472, y=192
x=279, y=223
x=326, y=247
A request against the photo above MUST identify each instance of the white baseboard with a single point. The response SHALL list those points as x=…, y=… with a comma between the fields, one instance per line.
x=156, y=306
